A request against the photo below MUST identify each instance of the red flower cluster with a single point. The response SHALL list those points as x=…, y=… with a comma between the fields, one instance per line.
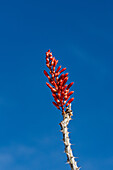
x=59, y=88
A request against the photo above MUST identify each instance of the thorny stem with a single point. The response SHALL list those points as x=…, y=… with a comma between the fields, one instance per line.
x=64, y=129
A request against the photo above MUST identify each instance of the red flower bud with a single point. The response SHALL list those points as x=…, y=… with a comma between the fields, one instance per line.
x=53, y=90
x=58, y=69
x=70, y=93
x=52, y=75
x=55, y=104
x=49, y=85
x=55, y=85
x=64, y=81
x=66, y=91
x=47, y=59
x=63, y=88
x=52, y=62
x=57, y=74
x=53, y=68
x=55, y=62
x=47, y=54
x=70, y=85
x=54, y=95
x=69, y=101
x=59, y=95
x=66, y=97
x=56, y=100
x=65, y=75
x=61, y=77
x=64, y=102
x=46, y=74
x=50, y=55
x=48, y=65
x=62, y=70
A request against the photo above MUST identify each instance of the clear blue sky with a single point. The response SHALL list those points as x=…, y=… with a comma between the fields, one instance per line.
x=80, y=35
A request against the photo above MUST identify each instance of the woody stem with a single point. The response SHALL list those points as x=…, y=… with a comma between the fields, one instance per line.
x=70, y=158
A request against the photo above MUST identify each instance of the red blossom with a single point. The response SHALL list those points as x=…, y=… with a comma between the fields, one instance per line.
x=58, y=69
x=70, y=101
x=70, y=85
x=70, y=93
x=55, y=104
x=46, y=74
x=59, y=88
x=62, y=70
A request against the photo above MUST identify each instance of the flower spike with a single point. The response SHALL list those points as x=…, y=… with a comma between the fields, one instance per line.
x=58, y=83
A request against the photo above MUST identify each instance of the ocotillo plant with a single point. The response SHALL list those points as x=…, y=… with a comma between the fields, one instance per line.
x=61, y=93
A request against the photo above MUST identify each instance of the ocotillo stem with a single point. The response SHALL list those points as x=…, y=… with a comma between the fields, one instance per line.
x=70, y=158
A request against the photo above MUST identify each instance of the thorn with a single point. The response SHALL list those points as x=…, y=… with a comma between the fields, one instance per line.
x=67, y=162
x=75, y=157
x=78, y=168
x=71, y=119
x=61, y=130
x=65, y=143
x=72, y=144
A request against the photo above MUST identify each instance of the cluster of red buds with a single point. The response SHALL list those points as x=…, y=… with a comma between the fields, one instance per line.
x=60, y=90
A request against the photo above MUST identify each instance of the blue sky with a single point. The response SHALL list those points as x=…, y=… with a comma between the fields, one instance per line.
x=80, y=35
